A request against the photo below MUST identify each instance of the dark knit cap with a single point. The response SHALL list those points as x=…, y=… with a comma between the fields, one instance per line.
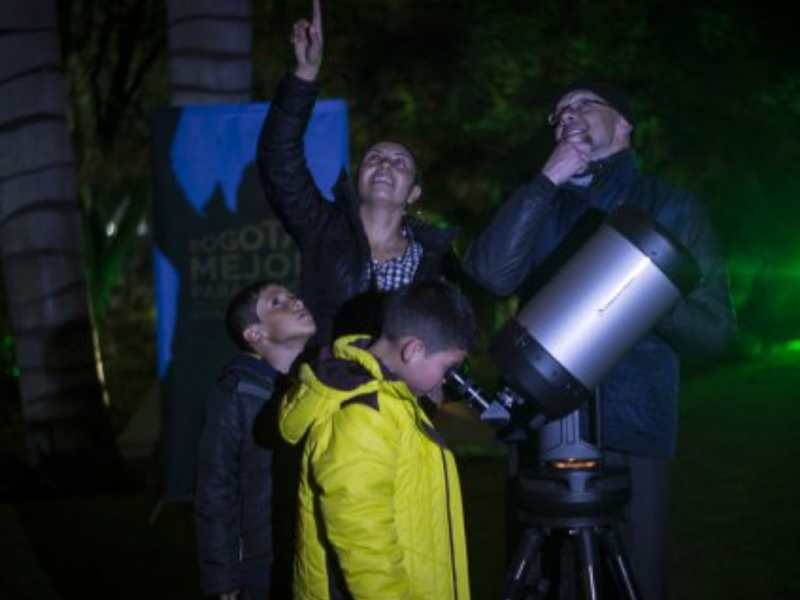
x=615, y=98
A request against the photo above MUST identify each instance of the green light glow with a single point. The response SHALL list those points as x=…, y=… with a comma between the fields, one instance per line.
x=792, y=346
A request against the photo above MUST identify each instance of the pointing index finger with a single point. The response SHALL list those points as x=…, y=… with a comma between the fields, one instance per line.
x=316, y=22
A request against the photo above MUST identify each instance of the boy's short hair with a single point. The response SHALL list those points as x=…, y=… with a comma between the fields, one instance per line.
x=241, y=312
x=433, y=311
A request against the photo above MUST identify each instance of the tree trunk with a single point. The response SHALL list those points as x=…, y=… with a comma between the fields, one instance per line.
x=67, y=427
x=210, y=51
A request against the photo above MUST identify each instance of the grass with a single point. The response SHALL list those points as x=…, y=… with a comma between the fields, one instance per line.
x=736, y=494
x=735, y=512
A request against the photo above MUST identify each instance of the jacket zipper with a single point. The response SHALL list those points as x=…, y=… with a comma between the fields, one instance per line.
x=449, y=523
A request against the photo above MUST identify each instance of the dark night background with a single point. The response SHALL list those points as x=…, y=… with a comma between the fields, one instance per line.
x=715, y=86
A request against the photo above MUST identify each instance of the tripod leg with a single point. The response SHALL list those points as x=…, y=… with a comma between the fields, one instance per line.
x=523, y=571
x=587, y=559
x=620, y=566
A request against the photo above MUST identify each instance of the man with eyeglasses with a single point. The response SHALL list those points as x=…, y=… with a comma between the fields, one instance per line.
x=592, y=170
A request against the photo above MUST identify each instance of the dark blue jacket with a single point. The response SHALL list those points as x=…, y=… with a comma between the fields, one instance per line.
x=234, y=483
x=514, y=255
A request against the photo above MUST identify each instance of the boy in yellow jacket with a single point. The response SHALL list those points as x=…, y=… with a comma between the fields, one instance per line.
x=379, y=497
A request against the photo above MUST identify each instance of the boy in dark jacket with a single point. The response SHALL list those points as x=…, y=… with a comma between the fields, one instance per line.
x=270, y=327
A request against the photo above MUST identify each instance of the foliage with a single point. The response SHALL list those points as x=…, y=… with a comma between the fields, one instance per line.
x=116, y=66
x=467, y=84
x=11, y=429
x=714, y=86
x=115, y=60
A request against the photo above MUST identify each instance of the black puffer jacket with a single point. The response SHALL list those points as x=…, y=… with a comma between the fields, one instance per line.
x=234, y=484
x=335, y=251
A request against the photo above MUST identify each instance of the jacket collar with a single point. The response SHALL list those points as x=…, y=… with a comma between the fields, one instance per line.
x=608, y=178
x=253, y=364
x=624, y=159
x=599, y=171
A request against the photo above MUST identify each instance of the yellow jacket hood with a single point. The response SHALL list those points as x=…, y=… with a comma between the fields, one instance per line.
x=346, y=373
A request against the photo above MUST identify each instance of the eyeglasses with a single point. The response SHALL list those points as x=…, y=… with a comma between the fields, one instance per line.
x=580, y=106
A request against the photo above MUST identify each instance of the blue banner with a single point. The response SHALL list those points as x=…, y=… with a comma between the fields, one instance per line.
x=215, y=234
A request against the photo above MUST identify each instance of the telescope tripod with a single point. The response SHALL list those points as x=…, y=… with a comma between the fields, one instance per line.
x=582, y=501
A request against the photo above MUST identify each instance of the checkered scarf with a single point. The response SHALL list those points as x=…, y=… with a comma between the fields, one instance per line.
x=399, y=271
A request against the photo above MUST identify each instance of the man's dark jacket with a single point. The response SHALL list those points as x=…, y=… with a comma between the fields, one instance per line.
x=233, y=510
x=335, y=284
x=541, y=223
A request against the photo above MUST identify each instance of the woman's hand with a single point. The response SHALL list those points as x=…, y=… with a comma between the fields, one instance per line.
x=307, y=41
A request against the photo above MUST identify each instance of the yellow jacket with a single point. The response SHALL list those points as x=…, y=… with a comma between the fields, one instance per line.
x=379, y=497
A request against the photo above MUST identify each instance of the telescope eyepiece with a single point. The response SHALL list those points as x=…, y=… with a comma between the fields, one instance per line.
x=465, y=388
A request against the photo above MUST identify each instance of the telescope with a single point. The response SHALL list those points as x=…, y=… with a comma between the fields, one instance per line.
x=626, y=276
x=552, y=355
